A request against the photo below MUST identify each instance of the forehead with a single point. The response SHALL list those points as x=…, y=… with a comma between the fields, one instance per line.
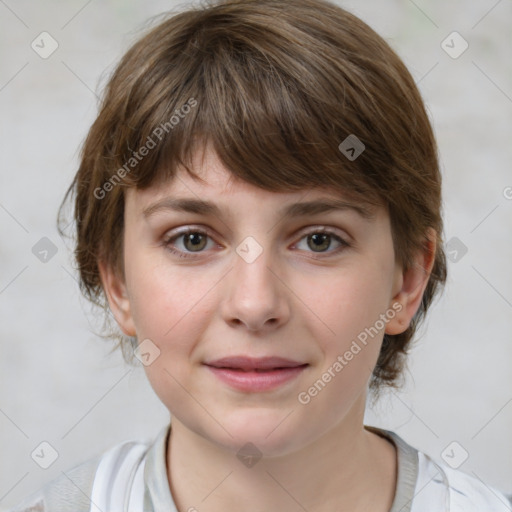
x=218, y=186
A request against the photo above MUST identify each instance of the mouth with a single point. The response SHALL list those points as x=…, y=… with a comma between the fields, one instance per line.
x=257, y=370
x=246, y=363
x=255, y=375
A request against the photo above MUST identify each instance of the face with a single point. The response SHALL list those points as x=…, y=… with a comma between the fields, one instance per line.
x=249, y=280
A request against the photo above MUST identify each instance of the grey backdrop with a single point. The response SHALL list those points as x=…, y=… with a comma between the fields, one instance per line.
x=58, y=382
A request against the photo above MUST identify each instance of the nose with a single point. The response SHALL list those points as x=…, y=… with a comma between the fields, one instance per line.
x=254, y=294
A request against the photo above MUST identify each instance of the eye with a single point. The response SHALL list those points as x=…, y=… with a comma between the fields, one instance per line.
x=193, y=240
x=321, y=239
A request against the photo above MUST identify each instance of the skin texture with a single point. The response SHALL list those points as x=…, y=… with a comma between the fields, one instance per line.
x=293, y=301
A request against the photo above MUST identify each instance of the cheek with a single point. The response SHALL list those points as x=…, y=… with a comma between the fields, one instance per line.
x=347, y=301
x=169, y=307
x=165, y=301
x=343, y=314
x=348, y=305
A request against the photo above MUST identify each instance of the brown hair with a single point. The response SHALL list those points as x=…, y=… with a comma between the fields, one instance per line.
x=275, y=86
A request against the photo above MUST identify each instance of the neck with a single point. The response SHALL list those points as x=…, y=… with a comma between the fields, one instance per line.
x=348, y=469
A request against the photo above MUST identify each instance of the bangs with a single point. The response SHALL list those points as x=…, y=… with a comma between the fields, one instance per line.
x=274, y=113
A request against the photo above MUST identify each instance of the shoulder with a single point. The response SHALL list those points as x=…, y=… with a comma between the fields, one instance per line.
x=73, y=489
x=69, y=491
x=426, y=484
x=454, y=490
x=468, y=493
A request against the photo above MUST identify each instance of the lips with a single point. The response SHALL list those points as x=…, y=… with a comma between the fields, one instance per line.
x=247, y=364
x=256, y=375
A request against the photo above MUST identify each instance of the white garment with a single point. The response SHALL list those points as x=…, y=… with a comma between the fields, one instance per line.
x=132, y=477
x=119, y=480
x=438, y=487
x=442, y=488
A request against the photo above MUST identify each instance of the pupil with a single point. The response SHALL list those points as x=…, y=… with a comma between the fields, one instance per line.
x=320, y=238
x=195, y=239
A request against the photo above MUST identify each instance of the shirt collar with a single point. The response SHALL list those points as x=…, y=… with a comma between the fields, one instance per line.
x=407, y=466
x=157, y=495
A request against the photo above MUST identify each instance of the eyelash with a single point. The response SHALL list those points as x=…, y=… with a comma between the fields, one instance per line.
x=167, y=243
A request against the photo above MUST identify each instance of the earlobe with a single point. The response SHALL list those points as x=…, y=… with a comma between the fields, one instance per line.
x=413, y=282
x=118, y=299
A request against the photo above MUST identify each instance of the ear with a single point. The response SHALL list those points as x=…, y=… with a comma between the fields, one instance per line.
x=117, y=296
x=410, y=285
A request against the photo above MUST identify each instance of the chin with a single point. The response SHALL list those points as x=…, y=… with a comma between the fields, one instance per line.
x=267, y=429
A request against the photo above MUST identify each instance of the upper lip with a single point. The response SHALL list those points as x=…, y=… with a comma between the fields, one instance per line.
x=252, y=363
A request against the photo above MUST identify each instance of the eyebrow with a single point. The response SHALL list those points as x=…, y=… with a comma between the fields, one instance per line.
x=202, y=207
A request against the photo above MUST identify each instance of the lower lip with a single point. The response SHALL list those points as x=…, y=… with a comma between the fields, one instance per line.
x=254, y=381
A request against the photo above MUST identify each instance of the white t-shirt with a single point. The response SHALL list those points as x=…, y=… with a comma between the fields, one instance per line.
x=132, y=477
